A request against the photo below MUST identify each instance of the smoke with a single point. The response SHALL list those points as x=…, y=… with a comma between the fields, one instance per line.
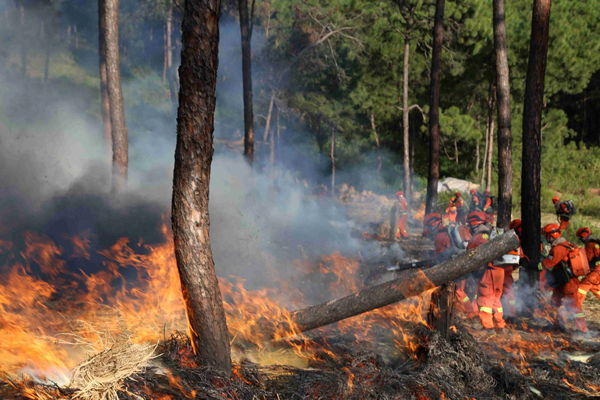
x=55, y=173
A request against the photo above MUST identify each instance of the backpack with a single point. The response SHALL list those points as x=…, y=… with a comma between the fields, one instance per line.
x=482, y=200
x=567, y=208
x=458, y=243
x=575, y=266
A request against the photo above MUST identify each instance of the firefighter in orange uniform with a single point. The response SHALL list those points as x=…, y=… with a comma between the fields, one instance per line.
x=508, y=293
x=403, y=204
x=487, y=207
x=566, y=294
x=592, y=279
x=561, y=213
x=445, y=249
x=489, y=290
x=457, y=203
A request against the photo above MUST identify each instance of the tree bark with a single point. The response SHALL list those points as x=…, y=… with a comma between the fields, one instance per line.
x=104, y=102
x=491, y=146
x=532, y=130
x=247, y=80
x=505, y=173
x=191, y=181
x=478, y=157
x=441, y=308
x=332, y=161
x=376, y=143
x=115, y=94
x=405, y=113
x=434, y=108
x=409, y=283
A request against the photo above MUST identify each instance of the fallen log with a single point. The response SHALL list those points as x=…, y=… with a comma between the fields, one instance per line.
x=411, y=282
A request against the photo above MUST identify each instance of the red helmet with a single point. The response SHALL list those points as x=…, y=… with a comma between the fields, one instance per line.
x=476, y=218
x=399, y=194
x=583, y=233
x=473, y=191
x=457, y=194
x=516, y=226
x=555, y=199
x=551, y=231
x=486, y=193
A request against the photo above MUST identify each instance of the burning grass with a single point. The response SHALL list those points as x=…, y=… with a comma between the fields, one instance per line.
x=385, y=354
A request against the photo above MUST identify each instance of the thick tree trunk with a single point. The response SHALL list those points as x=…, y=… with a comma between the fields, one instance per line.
x=409, y=283
x=191, y=181
x=115, y=94
x=247, y=80
x=376, y=143
x=491, y=146
x=104, y=102
x=532, y=130
x=405, y=113
x=332, y=161
x=505, y=172
x=434, y=106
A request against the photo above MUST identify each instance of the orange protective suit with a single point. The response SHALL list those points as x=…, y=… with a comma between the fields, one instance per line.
x=458, y=203
x=592, y=280
x=567, y=294
x=489, y=290
x=403, y=218
x=443, y=251
x=452, y=212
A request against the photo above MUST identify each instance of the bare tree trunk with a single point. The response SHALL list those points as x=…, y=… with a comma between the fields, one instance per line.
x=376, y=143
x=104, y=102
x=165, y=47
x=332, y=161
x=246, y=30
x=456, y=152
x=505, y=173
x=532, y=130
x=489, y=125
x=405, y=113
x=434, y=105
x=23, y=38
x=477, y=148
x=191, y=182
x=269, y=114
x=115, y=94
x=170, y=70
x=490, y=152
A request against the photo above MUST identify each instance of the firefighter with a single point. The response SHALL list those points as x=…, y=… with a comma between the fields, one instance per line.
x=458, y=204
x=475, y=204
x=489, y=290
x=403, y=215
x=488, y=206
x=561, y=213
x=566, y=294
x=592, y=279
x=508, y=293
x=445, y=249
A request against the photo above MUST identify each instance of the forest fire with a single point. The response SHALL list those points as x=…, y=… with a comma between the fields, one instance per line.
x=53, y=318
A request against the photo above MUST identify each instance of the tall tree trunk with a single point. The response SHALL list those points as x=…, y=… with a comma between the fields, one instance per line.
x=478, y=157
x=104, y=102
x=405, y=113
x=505, y=173
x=166, y=55
x=191, y=182
x=170, y=70
x=115, y=94
x=488, y=140
x=332, y=161
x=488, y=185
x=376, y=144
x=434, y=105
x=269, y=114
x=245, y=27
x=23, y=38
x=532, y=130
x=456, y=152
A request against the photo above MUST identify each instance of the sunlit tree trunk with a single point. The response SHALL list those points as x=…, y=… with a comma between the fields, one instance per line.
x=505, y=173
x=405, y=114
x=110, y=53
x=104, y=102
x=246, y=30
x=434, y=105
x=191, y=182
x=532, y=130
